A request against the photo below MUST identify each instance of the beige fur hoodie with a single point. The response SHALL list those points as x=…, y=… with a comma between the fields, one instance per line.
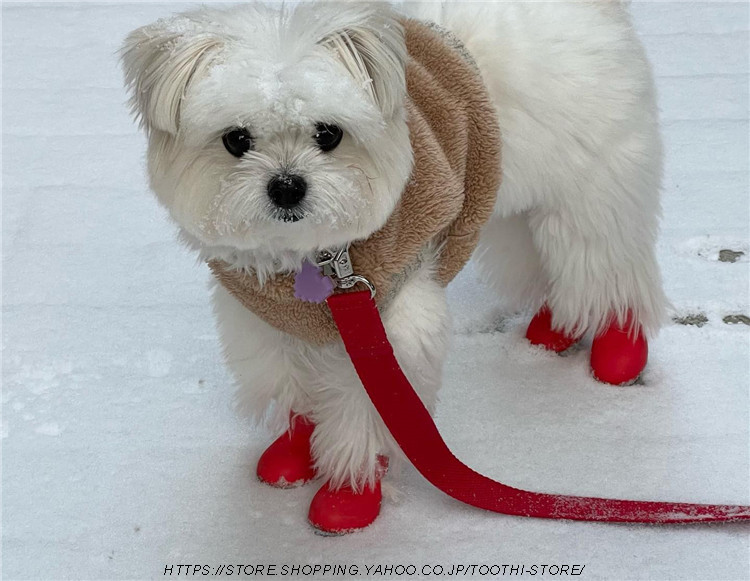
x=455, y=138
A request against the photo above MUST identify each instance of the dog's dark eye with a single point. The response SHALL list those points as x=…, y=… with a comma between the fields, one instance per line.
x=238, y=141
x=328, y=136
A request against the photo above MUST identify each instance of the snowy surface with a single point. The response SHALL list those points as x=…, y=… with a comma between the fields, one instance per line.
x=122, y=453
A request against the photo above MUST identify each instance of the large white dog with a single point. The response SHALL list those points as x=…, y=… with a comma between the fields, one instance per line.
x=275, y=133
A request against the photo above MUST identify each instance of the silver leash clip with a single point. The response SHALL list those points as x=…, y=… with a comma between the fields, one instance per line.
x=338, y=266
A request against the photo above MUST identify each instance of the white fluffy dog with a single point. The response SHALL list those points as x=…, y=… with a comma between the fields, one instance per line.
x=266, y=150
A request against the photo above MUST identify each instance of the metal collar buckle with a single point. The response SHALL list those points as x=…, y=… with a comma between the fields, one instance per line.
x=338, y=266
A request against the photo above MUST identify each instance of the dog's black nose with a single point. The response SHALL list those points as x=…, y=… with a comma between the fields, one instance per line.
x=286, y=191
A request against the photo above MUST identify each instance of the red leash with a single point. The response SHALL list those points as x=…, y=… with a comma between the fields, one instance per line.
x=358, y=321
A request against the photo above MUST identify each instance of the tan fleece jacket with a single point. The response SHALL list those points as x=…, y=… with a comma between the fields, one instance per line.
x=455, y=137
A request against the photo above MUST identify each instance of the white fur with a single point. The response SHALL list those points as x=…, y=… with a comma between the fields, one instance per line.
x=278, y=73
x=575, y=222
x=577, y=214
x=320, y=382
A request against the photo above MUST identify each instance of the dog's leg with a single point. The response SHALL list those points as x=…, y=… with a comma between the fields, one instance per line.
x=511, y=263
x=350, y=443
x=597, y=250
x=269, y=366
x=582, y=156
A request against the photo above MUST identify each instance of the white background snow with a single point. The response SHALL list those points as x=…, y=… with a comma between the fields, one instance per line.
x=122, y=453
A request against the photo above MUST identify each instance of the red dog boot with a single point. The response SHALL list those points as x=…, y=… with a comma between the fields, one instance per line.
x=617, y=356
x=341, y=511
x=288, y=461
x=540, y=332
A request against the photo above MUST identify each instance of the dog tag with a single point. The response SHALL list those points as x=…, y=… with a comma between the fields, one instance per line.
x=311, y=285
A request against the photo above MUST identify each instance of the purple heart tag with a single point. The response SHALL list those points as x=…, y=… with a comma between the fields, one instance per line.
x=311, y=285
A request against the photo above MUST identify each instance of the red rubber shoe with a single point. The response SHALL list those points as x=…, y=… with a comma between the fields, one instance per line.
x=288, y=462
x=617, y=358
x=337, y=512
x=540, y=332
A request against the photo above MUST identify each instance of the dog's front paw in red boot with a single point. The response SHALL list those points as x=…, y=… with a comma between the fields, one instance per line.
x=337, y=511
x=288, y=462
x=619, y=353
x=343, y=510
x=541, y=332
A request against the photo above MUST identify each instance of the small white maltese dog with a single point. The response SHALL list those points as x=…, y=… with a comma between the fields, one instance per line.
x=276, y=133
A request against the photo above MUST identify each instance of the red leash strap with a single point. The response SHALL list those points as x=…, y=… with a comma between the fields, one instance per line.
x=410, y=423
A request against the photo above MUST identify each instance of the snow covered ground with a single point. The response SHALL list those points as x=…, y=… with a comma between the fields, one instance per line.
x=122, y=454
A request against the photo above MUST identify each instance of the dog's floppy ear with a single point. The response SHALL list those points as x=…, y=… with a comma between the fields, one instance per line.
x=159, y=61
x=370, y=43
